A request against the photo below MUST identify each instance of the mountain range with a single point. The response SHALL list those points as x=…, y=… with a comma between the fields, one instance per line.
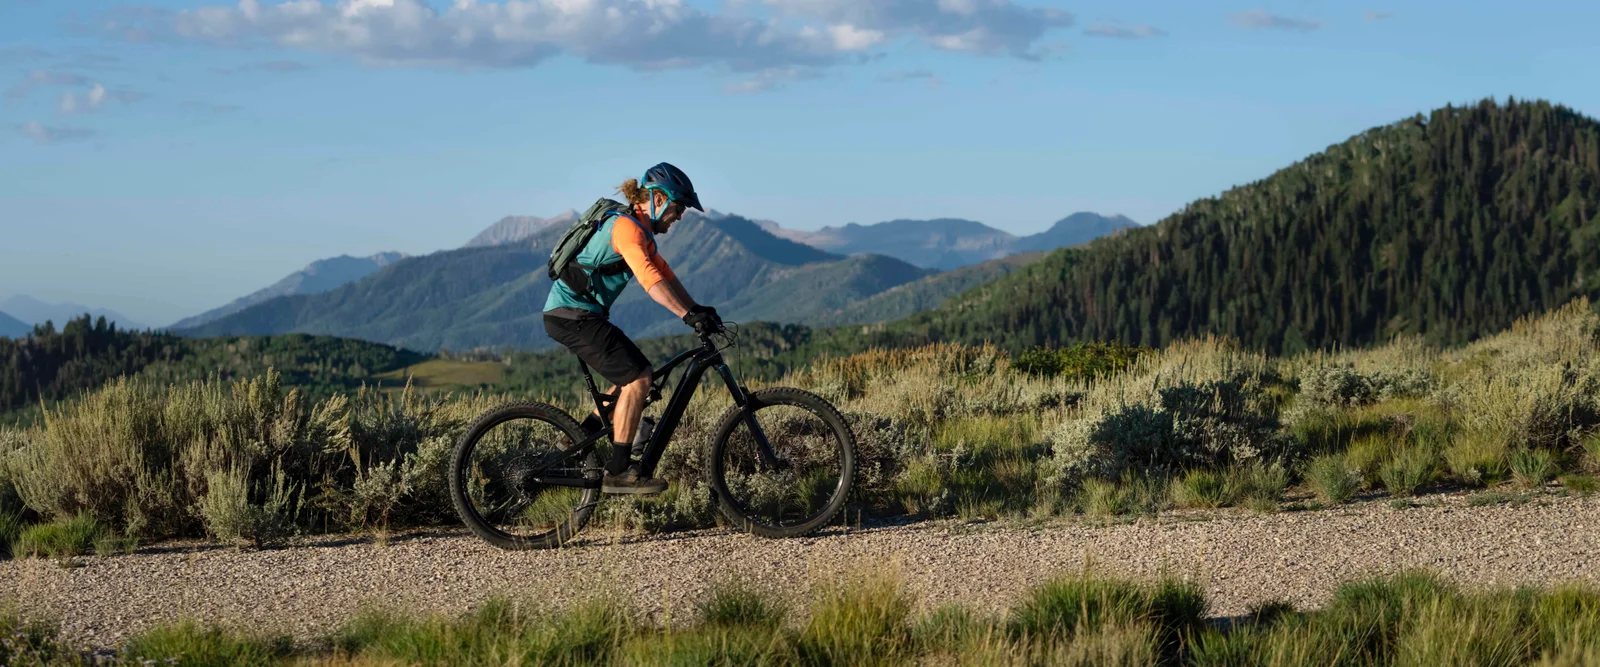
x=318, y=277
x=494, y=295
x=33, y=311
x=11, y=327
x=951, y=243
x=491, y=291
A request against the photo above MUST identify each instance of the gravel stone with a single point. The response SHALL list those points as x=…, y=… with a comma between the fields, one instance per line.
x=1240, y=558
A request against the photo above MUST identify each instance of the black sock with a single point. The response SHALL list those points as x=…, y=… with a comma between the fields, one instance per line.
x=591, y=423
x=620, y=457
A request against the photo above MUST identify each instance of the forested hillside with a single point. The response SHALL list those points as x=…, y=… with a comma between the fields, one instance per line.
x=1449, y=225
x=52, y=365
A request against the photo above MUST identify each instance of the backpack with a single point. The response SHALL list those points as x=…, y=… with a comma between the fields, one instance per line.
x=564, y=264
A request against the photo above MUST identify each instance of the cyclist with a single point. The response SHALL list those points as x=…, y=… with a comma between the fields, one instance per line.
x=579, y=318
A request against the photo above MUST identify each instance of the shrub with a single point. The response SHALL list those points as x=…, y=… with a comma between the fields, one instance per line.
x=1083, y=361
x=1203, y=425
x=231, y=516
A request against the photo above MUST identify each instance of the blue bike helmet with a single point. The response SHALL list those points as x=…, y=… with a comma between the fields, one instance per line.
x=674, y=183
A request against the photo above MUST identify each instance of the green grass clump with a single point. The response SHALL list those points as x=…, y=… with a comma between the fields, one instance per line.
x=189, y=644
x=1410, y=468
x=1477, y=458
x=735, y=605
x=1069, y=607
x=1203, y=489
x=60, y=540
x=1580, y=484
x=1100, y=498
x=1332, y=479
x=862, y=622
x=1532, y=468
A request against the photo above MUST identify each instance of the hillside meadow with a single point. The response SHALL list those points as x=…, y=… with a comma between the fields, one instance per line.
x=1098, y=431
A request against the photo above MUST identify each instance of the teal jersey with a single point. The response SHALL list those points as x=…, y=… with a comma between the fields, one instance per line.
x=605, y=288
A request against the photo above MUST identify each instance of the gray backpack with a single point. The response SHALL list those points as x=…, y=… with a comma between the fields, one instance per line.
x=564, y=264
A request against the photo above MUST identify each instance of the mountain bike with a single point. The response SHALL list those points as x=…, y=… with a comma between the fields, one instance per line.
x=780, y=463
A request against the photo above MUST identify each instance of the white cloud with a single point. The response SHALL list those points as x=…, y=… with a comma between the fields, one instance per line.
x=638, y=34
x=970, y=26
x=1258, y=19
x=850, y=38
x=45, y=134
x=1140, y=31
x=1375, y=16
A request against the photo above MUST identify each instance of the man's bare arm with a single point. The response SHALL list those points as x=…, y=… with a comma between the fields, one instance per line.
x=670, y=293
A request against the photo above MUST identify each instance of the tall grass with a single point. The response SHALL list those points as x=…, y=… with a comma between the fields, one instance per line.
x=1409, y=618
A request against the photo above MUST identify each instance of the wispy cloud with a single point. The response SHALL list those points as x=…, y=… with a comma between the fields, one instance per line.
x=41, y=78
x=1259, y=19
x=271, y=66
x=1376, y=16
x=72, y=103
x=46, y=134
x=797, y=36
x=768, y=79
x=1139, y=31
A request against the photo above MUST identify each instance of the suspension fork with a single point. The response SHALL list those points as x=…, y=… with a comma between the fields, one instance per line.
x=741, y=399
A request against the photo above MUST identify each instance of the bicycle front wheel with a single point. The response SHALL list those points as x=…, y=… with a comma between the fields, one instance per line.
x=494, y=473
x=815, y=456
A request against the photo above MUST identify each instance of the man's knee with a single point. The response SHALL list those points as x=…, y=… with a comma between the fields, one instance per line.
x=639, y=384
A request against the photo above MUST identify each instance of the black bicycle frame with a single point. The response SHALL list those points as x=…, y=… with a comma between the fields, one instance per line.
x=696, y=362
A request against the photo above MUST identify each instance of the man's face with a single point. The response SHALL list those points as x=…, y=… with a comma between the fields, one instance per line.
x=673, y=214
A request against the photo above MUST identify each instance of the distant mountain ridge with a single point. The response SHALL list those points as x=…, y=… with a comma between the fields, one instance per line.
x=494, y=295
x=514, y=228
x=11, y=327
x=318, y=277
x=952, y=243
x=33, y=311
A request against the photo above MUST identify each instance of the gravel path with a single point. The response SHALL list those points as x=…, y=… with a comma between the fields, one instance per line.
x=1241, y=558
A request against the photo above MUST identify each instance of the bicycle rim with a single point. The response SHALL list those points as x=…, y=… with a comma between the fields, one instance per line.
x=804, y=432
x=492, y=471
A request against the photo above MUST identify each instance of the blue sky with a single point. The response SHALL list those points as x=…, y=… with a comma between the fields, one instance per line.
x=164, y=158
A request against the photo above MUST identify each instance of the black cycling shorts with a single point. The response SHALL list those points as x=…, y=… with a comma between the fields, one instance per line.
x=601, y=345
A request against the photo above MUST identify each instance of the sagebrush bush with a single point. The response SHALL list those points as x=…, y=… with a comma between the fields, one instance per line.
x=1186, y=425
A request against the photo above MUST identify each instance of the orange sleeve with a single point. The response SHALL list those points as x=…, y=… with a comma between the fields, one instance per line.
x=629, y=240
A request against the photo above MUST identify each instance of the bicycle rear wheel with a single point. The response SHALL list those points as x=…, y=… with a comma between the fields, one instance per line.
x=492, y=473
x=817, y=457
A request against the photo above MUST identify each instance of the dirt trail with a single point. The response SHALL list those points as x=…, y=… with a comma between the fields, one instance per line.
x=1241, y=558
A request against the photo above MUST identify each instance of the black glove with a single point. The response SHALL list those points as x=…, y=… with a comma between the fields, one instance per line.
x=704, y=319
